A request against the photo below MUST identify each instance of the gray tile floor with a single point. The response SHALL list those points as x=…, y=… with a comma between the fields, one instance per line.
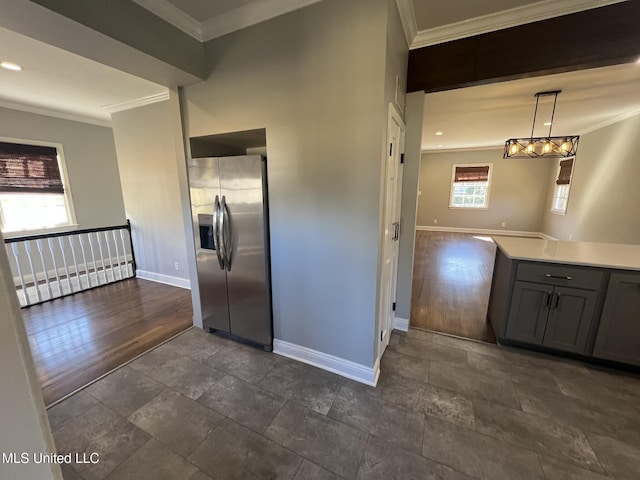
x=201, y=407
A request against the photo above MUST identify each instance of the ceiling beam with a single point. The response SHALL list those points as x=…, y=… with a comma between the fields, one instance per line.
x=598, y=37
x=119, y=34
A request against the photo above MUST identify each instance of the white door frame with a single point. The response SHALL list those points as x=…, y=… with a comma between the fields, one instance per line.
x=391, y=224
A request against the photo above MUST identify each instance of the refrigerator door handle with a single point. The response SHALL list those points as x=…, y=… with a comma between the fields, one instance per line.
x=216, y=232
x=227, y=233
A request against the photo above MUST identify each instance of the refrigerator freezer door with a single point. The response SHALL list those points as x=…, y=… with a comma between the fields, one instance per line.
x=204, y=185
x=241, y=185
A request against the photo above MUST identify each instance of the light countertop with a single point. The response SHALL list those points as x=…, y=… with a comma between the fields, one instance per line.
x=606, y=255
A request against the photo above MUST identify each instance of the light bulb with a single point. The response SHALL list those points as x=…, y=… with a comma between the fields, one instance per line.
x=514, y=148
x=565, y=146
x=11, y=66
x=547, y=147
x=530, y=148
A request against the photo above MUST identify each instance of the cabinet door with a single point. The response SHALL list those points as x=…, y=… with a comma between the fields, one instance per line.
x=528, y=312
x=570, y=319
x=619, y=332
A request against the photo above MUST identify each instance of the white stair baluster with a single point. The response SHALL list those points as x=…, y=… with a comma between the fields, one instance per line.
x=113, y=273
x=45, y=271
x=84, y=259
x=124, y=249
x=93, y=257
x=27, y=246
x=64, y=262
x=55, y=265
x=75, y=262
x=16, y=254
x=115, y=242
x=104, y=265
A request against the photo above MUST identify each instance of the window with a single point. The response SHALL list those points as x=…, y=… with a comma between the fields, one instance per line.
x=33, y=195
x=563, y=185
x=470, y=186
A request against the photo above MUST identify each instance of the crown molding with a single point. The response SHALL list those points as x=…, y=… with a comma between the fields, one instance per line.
x=248, y=15
x=505, y=19
x=138, y=102
x=408, y=18
x=50, y=112
x=173, y=15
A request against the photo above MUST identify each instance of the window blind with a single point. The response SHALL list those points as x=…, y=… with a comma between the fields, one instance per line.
x=472, y=174
x=564, y=175
x=29, y=169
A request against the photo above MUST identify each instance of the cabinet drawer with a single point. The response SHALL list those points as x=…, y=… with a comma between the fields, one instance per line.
x=562, y=275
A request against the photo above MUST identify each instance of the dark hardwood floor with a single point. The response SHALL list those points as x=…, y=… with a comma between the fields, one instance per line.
x=451, y=284
x=76, y=339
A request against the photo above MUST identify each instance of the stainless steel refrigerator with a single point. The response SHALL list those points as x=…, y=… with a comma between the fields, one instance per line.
x=231, y=227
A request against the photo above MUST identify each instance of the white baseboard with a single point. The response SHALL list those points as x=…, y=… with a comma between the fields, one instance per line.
x=484, y=231
x=346, y=368
x=166, y=279
x=401, y=324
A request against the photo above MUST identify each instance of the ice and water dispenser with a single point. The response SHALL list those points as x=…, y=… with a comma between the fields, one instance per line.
x=206, y=231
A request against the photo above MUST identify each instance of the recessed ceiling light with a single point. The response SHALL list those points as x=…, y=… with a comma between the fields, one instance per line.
x=440, y=146
x=11, y=66
x=439, y=133
x=547, y=124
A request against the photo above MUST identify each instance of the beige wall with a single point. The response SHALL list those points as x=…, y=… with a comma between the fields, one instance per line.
x=146, y=147
x=604, y=197
x=90, y=157
x=315, y=79
x=518, y=191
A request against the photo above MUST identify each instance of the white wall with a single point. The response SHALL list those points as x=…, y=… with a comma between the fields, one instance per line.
x=90, y=157
x=604, y=197
x=146, y=147
x=24, y=426
x=315, y=79
x=517, y=197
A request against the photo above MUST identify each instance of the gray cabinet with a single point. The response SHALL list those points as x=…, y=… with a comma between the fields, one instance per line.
x=571, y=313
x=618, y=336
x=553, y=316
x=585, y=310
x=529, y=311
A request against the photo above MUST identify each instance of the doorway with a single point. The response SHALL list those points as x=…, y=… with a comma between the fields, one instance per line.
x=451, y=284
x=391, y=224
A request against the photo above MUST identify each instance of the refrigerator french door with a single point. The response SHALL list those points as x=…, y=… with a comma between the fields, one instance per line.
x=230, y=217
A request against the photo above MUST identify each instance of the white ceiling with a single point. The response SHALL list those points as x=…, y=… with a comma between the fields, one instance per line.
x=202, y=11
x=59, y=81
x=488, y=115
x=205, y=20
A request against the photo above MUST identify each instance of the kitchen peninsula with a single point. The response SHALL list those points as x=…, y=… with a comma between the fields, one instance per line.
x=581, y=298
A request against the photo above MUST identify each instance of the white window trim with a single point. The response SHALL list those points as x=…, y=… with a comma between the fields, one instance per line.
x=557, y=211
x=62, y=166
x=452, y=181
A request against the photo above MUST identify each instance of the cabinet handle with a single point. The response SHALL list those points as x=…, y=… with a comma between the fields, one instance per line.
x=548, y=300
x=555, y=305
x=548, y=275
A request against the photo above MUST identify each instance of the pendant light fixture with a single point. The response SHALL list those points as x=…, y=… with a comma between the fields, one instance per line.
x=549, y=147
